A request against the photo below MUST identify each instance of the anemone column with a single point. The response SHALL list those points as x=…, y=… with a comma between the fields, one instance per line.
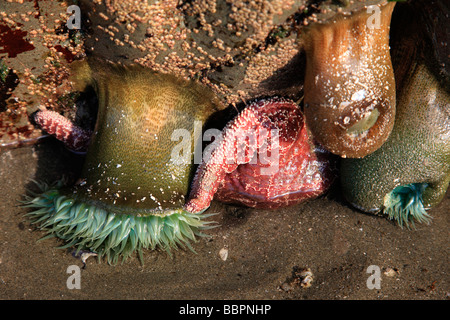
x=349, y=82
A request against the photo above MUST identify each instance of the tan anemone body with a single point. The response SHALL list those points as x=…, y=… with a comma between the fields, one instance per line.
x=349, y=82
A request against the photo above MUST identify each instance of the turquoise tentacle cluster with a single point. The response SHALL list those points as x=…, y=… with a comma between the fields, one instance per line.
x=111, y=235
x=404, y=204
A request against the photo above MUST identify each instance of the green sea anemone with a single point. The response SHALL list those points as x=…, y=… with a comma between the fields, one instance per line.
x=86, y=226
x=131, y=192
x=410, y=173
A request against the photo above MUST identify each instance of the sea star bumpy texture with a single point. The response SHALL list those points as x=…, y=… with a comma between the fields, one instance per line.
x=63, y=129
x=265, y=159
x=239, y=169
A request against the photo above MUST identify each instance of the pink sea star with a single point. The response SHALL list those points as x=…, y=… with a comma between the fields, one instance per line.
x=297, y=168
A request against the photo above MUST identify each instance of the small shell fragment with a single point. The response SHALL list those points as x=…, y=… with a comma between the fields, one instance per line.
x=301, y=277
x=391, y=272
x=223, y=254
x=305, y=277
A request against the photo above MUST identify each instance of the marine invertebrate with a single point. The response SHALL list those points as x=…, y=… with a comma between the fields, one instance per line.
x=266, y=158
x=131, y=194
x=410, y=173
x=349, y=82
x=405, y=204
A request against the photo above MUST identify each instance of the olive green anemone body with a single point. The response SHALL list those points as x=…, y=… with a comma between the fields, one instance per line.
x=130, y=165
x=131, y=191
x=411, y=171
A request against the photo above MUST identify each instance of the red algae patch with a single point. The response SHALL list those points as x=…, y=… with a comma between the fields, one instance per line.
x=36, y=49
x=12, y=41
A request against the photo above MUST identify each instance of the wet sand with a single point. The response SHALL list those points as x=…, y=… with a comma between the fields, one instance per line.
x=336, y=242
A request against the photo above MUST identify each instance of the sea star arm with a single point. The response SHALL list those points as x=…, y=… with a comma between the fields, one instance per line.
x=73, y=137
x=228, y=153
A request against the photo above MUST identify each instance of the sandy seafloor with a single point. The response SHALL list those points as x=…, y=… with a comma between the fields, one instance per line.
x=335, y=241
